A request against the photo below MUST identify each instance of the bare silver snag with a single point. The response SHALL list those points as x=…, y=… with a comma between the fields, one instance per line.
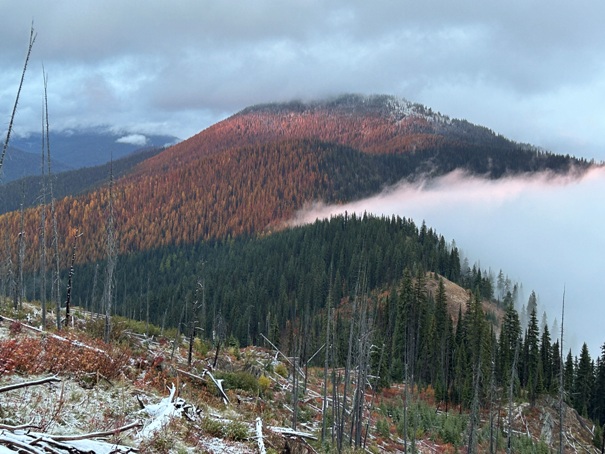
x=32, y=39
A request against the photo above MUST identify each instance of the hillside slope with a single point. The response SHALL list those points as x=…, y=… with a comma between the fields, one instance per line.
x=251, y=172
x=101, y=388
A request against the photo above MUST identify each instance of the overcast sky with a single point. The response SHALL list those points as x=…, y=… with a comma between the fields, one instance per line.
x=530, y=70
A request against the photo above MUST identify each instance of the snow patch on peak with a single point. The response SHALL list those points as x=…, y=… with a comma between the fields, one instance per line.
x=400, y=108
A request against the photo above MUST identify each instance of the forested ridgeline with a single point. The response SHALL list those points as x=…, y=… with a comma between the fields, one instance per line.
x=276, y=278
x=363, y=275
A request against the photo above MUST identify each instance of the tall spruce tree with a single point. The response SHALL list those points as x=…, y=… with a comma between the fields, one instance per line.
x=398, y=348
x=598, y=396
x=510, y=335
x=532, y=305
x=568, y=376
x=546, y=362
x=583, y=383
x=532, y=359
x=443, y=331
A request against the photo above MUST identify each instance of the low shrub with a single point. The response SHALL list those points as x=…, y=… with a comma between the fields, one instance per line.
x=263, y=384
x=282, y=370
x=244, y=381
x=232, y=430
x=15, y=328
x=66, y=354
x=213, y=427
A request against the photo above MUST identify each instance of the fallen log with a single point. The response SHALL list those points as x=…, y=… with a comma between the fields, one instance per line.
x=292, y=433
x=219, y=385
x=35, y=443
x=190, y=375
x=25, y=384
x=259, y=436
x=107, y=433
x=30, y=425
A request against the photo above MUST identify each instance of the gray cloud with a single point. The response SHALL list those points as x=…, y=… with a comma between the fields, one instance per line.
x=542, y=231
x=525, y=70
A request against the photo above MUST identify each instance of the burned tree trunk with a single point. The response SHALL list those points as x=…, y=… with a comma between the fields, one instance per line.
x=194, y=319
x=18, y=301
x=111, y=261
x=70, y=279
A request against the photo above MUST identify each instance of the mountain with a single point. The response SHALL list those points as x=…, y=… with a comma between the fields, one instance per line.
x=19, y=164
x=78, y=148
x=251, y=172
x=376, y=124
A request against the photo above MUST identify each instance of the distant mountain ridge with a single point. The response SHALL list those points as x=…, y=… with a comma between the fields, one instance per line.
x=76, y=148
x=19, y=164
x=66, y=183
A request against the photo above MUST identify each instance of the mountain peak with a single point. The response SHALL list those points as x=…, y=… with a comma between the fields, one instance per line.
x=387, y=106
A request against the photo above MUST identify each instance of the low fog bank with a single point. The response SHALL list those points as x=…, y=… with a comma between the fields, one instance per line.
x=543, y=231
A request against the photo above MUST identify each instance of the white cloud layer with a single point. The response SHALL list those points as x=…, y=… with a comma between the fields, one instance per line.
x=527, y=70
x=542, y=231
x=133, y=139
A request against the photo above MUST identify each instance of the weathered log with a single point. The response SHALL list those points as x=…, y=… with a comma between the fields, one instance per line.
x=259, y=436
x=19, y=427
x=219, y=386
x=189, y=374
x=292, y=433
x=107, y=433
x=25, y=384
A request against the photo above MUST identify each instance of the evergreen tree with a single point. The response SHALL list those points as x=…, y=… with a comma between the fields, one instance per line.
x=429, y=344
x=532, y=305
x=443, y=330
x=546, y=360
x=460, y=362
x=500, y=285
x=568, y=378
x=399, y=345
x=476, y=340
x=534, y=378
x=510, y=335
x=556, y=367
x=598, y=396
x=583, y=383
